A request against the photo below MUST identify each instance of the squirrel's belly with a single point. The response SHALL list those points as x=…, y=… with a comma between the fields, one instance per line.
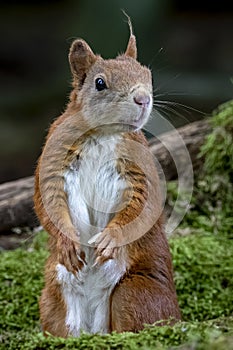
x=87, y=296
x=92, y=203
x=95, y=191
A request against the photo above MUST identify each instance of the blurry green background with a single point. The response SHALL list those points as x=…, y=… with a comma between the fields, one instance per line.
x=187, y=44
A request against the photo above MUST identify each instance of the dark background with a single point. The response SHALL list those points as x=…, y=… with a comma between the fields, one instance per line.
x=187, y=44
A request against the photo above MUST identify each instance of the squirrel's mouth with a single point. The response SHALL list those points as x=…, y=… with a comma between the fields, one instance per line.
x=142, y=117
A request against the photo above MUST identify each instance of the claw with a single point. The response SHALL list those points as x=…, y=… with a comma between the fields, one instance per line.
x=69, y=255
x=106, y=245
x=94, y=238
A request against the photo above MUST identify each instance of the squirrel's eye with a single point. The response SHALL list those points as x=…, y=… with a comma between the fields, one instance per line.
x=100, y=84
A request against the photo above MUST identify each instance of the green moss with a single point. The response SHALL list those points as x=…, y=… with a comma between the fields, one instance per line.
x=212, y=201
x=218, y=146
x=193, y=335
x=214, y=187
x=203, y=275
x=21, y=282
x=203, y=267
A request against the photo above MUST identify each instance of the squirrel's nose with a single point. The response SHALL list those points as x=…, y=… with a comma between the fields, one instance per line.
x=142, y=99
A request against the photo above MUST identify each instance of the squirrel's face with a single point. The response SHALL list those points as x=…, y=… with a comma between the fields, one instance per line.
x=116, y=91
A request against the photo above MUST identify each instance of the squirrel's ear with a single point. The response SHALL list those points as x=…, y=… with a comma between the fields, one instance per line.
x=81, y=58
x=131, y=50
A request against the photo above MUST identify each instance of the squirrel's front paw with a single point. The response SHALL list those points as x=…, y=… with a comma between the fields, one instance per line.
x=107, y=244
x=69, y=254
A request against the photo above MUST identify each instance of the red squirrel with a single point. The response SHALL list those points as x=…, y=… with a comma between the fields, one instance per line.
x=97, y=194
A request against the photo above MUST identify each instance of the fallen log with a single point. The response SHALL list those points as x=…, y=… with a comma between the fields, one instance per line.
x=16, y=197
x=16, y=204
x=172, y=144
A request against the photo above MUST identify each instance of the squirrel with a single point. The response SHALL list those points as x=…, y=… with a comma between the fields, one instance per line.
x=97, y=194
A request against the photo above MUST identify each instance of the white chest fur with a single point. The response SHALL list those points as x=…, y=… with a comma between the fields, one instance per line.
x=94, y=186
x=94, y=190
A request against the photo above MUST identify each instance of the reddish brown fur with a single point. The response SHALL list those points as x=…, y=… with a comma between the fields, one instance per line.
x=146, y=293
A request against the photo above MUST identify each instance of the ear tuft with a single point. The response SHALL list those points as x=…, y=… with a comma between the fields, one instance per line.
x=81, y=58
x=131, y=50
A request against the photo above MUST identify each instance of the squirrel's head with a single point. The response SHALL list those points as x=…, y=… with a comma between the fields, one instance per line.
x=111, y=91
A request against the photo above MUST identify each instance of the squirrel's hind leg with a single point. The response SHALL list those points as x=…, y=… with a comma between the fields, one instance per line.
x=140, y=300
x=53, y=312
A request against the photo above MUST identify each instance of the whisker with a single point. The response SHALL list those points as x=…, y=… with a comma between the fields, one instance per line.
x=173, y=111
x=155, y=56
x=172, y=106
x=174, y=93
x=177, y=104
x=162, y=113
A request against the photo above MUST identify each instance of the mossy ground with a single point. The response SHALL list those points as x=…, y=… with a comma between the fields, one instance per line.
x=203, y=267
x=203, y=273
